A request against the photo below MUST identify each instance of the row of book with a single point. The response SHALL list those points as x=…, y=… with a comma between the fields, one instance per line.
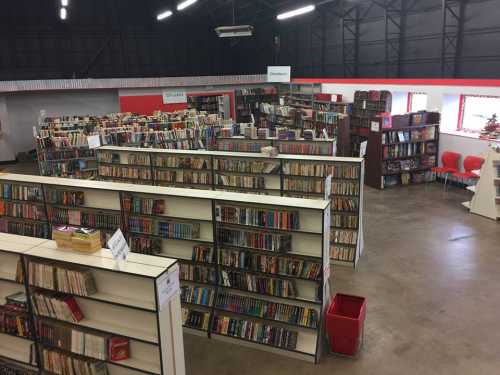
x=203, y=254
x=69, y=140
x=407, y=149
x=348, y=237
x=340, y=204
x=182, y=162
x=326, y=117
x=200, y=274
x=70, y=168
x=280, y=243
x=250, y=182
x=292, y=314
x=21, y=192
x=145, y=245
x=345, y=254
x=125, y=172
x=14, y=318
x=344, y=221
x=59, y=363
x=40, y=230
x=246, y=166
x=143, y=206
x=93, y=345
x=197, y=295
x=73, y=281
x=340, y=170
x=9, y=368
x=66, y=197
x=239, y=146
x=195, y=319
x=109, y=157
x=98, y=220
x=260, y=217
x=184, y=177
x=22, y=210
x=56, y=306
x=138, y=158
x=306, y=149
x=256, y=332
x=285, y=266
x=260, y=284
x=77, y=153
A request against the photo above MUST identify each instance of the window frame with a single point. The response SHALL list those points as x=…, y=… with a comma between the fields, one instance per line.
x=410, y=99
x=461, y=111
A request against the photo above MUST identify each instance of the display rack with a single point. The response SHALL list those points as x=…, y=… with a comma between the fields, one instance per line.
x=121, y=297
x=486, y=199
x=284, y=175
x=401, y=155
x=201, y=230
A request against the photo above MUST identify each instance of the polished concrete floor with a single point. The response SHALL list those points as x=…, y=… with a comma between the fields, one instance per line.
x=431, y=275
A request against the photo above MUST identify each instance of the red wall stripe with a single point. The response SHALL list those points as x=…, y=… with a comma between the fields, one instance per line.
x=404, y=81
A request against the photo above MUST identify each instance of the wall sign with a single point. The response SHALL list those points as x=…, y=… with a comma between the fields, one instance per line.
x=174, y=97
x=280, y=74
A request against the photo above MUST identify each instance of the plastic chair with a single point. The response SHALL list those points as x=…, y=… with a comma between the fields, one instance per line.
x=471, y=163
x=450, y=161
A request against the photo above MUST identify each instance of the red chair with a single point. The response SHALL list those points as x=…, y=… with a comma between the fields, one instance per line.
x=471, y=163
x=450, y=162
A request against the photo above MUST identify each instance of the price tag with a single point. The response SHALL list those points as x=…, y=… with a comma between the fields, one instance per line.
x=167, y=286
x=94, y=141
x=118, y=246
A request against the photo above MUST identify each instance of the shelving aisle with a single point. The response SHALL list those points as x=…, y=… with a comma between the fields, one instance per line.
x=248, y=263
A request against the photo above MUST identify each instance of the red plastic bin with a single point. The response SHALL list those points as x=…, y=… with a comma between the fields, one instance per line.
x=345, y=321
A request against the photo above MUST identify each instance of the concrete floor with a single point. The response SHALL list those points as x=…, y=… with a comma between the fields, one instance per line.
x=430, y=272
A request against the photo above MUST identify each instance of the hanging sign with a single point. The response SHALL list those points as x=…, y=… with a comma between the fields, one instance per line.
x=174, y=97
x=279, y=74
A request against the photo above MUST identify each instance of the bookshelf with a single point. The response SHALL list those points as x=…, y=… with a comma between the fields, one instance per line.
x=248, y=102
x=121, y=298
x=486, y=199
x=284, y=239
x=204, y=103
x=284, y=175
x=401, y=155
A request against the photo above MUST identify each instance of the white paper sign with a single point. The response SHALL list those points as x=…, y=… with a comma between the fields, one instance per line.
x=167, y=286
x=281, y=74
x=328, y=187
x=326, y=245
x=174, y=97
x=118, y=246
x=94, y=141
x=375, y=126
x=362, y=149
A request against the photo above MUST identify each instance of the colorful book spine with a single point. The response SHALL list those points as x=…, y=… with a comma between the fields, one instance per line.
x=259, y=284
x=201, y=274
x=197, y=295
x=21, y=192
x=195, y=319
x=260, y=217
x=279, y=243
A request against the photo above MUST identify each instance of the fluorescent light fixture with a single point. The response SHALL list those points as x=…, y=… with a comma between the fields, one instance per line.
x=296, y=12
x=63, y=14
x=164, y=15
x=234, y=31
x=185, y=4
x=64, y=3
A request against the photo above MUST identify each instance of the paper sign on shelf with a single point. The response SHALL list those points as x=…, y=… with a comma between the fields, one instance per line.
x=328, y=187
x=167, y=286
x=174, y=97
x=279, y=74
x=362, y=149
x=326, y=245
x=94, y=141
x=375, y=126
x=118, y=246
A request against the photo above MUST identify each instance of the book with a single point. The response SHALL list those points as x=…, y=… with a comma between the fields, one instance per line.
x=56, y=306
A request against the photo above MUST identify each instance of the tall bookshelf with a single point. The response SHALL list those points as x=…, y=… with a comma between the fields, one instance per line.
x=285, y=242
x=248, y=102
x=121, y=298
x=284, y=175
x=401, y=155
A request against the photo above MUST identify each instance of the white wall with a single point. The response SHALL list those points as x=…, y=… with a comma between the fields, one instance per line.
x=444, y=99
x=23, y=111
x=6, y=153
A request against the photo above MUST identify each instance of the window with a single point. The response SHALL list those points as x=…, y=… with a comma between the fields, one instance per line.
x=476, y=110
x=417, y=101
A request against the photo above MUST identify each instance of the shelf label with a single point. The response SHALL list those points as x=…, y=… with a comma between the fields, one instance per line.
x=375, y=126
x=362, y=149
x=167, y=286
x=118, y=246
x=174, y=97
x=279, y=74
x=94, y=141
x=328, y=187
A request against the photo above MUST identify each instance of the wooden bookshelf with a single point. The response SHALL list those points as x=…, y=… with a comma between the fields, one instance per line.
x=401, y=155
x=124, y=296
x=248, y=102
x=265, y=176
x=301, y=239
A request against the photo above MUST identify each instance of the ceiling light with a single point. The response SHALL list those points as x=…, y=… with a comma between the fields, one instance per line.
x=63, y=14
x=234, y=31
x=185, y=4
x=64, y=3
x=164, y=15
x=296, y=12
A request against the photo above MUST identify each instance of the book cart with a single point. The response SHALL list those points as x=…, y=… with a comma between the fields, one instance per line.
x=248, y=263
x=284, y=175
x=122, y=297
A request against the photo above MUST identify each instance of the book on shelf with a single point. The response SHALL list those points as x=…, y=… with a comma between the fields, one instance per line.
x=144, y=245
x=260, y=308
x=246, y=166
x=14, y=319
x=22, y=210
x=197, y=273
x=342, y=253
x=254, y=331
x=272, y=286
x=259, y=217
x=10, y=368
x=99, y=220
x=144, y=206
x=184, y=177
x=197, y=295
x=57, y=362
x=195, y=319
x=21, y=192
x=182, y=162
x=125, y=172
x=347, y=237
x=279, y=243
x=66, y=280
x=66, y=197
x=56, y=306
x=203, y=254
x=40, y=230
x=249, y=182
x=308, y=169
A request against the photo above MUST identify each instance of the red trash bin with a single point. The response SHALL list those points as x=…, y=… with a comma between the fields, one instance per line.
x=345, y=320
